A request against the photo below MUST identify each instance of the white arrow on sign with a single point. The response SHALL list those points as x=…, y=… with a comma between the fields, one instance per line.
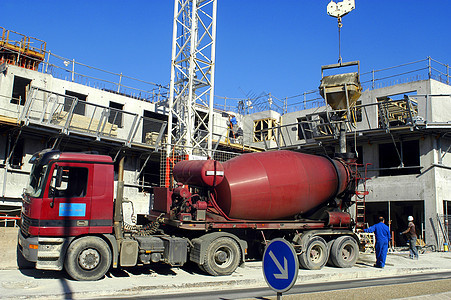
x=283, y=271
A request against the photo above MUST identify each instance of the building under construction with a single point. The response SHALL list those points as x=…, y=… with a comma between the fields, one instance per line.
x=398, y=126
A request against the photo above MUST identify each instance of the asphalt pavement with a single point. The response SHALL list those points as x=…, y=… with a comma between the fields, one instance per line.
x=162, y=279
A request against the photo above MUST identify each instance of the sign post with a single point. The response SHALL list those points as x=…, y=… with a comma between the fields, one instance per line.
x=280, y=265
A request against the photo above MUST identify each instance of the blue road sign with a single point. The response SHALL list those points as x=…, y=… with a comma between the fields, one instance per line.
x=280, y=265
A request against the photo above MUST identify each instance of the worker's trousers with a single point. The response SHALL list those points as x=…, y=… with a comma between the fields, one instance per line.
x=381, y=253
x=413, y=248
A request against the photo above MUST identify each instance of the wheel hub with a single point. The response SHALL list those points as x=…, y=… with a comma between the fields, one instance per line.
x=89, y=259
x=221, y=257
x=346, y=253
x=315, y=254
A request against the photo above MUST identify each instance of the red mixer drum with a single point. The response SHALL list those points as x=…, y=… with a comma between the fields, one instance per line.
x=278, y=184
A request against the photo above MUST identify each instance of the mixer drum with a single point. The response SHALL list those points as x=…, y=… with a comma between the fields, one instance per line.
x=278, y=184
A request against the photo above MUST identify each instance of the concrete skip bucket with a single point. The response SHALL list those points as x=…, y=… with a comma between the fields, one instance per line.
x=341, y=91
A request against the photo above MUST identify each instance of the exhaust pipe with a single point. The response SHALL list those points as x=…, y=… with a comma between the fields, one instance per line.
x=118, y=218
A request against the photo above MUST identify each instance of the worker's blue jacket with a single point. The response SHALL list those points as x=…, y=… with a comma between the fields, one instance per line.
x=381, y=232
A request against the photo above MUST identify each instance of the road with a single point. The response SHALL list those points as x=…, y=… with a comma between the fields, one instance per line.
x=164, y=282
x=374, y=288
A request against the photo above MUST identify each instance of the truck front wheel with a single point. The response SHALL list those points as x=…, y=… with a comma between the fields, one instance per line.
x=88, y=258
x=222, y=257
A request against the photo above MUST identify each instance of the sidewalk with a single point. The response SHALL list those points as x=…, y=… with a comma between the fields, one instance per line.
x=29, y=284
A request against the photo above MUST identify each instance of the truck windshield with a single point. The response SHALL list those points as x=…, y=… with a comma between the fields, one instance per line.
x=36, y=180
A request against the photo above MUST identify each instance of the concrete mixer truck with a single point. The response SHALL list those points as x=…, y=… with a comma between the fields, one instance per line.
x=217, y=215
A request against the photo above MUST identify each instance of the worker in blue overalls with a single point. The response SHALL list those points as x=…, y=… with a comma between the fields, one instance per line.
x=382, y=234
x=233, y=125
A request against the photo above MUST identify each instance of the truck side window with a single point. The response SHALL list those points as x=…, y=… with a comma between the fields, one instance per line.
x=73, y=185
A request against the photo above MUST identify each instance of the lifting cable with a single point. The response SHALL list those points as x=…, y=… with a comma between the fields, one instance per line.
x=397, y=151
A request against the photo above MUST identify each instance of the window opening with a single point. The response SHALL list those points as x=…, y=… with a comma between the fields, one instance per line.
x=304, y=129
x=152, y=123
x=80, y=107
x=407, y=162
x=115, y=115
x=150, y=172
x=264, y=130
x=20, y=90
x=357, y=112
x=16, y=160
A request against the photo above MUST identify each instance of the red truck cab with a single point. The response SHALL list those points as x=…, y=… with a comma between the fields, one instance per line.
x=69, y=195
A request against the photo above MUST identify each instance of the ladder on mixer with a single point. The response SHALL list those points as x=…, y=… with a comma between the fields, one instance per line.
x=360, y=200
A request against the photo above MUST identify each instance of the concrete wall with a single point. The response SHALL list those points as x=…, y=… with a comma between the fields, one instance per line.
x=290, y=132
x=440, y=106
x=432, y=186
x=14, y=180
x=8, y=244
x=248, y=128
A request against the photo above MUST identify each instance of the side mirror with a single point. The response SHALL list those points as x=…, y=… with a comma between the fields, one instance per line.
x=59, y=176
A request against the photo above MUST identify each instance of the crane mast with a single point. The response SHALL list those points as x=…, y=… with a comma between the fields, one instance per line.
x=192, y=77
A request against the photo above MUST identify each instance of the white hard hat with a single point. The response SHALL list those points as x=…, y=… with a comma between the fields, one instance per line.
x=410, y=218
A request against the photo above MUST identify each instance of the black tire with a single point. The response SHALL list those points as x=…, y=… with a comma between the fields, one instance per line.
x=344, y=252
x=330, y=263
x=315, y=255
x=222, y=257
x=201, y=267
x=88, y=258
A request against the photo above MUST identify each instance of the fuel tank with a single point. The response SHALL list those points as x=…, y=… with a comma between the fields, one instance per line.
x=278, y=184
x=199, y=172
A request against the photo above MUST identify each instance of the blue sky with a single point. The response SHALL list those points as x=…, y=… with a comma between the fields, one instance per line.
x=262, y=45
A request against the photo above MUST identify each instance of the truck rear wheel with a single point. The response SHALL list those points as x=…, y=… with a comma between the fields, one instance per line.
x=344, y=252
x=330, y=263
x=315, y=255
x=222, y=257
x=88, y=258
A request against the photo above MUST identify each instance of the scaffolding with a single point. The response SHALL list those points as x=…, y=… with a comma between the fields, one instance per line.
x=21, y=50
x=69, y=115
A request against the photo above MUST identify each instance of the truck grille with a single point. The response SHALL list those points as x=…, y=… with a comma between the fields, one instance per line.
x=25, y=224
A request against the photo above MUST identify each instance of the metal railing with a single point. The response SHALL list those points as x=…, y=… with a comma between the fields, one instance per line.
x=21, y=42
x=428, y=68
x=118, y=83
x=391, y=114
x=69, y=114
x=9, y=221
x=424, y=69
